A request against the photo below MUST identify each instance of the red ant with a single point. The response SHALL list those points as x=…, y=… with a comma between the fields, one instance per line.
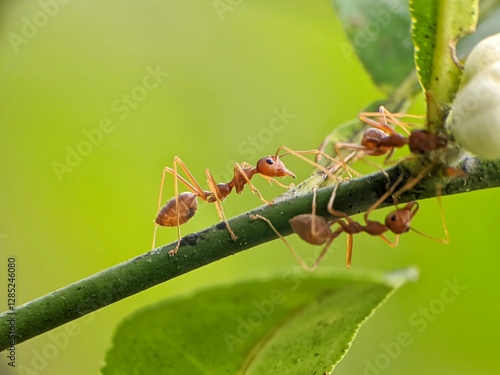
x=382, y=139
x=170, y=215
x=182, y=207
x=316, y=229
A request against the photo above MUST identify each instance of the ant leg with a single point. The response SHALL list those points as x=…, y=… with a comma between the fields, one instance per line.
x=388, y=117
x=239, y=169
x=383, y=197
x=176, y=192
x=446, y=240
x=443, y=219
x=287, y=244
x=360, y=149
x=176, y=177
x=382, y=170
x=313, y=211
x=349, y=250
x=153, y=245
x=370, y=223
x=343, y=226
x=337, y=165
x=364, y=116
x=389, y=156
x=271, y=180
x=214, y=189
x=322, y=254
x=299, y=154
x=343, y=162
x=353, y=156
x=193, y=186
x=333, y=211
x=176, y=195
x=321, y=149
x=414, y=180
x=394, y=120
x=389, y=242
x=397, y=115
x=313, y=230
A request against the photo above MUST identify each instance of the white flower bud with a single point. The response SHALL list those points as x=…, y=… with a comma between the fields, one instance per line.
x=485, y=53
x=474, y=119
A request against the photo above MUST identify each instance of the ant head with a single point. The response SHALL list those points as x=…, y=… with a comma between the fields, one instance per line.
x=313, y=229
x=272, y=166
x=399, y=221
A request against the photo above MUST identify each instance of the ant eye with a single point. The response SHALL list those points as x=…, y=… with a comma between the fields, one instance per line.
x=393, y=218
x=269, y=161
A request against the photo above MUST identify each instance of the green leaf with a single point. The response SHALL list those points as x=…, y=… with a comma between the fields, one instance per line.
x=489, y=14
x=379, y=32
x=296, y=323
x=437, y=26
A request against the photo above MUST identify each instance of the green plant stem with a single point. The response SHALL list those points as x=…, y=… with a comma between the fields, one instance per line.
x=202, y=248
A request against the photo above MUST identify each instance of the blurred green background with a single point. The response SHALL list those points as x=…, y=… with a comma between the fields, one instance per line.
x=223, y=77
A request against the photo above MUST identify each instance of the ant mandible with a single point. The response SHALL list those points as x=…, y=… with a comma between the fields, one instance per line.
x=183, y=206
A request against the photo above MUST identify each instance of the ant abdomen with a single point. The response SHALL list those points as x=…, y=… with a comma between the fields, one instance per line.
x=303, y=225
x=188, y=205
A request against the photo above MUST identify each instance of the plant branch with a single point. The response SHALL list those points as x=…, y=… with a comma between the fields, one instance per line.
x=212, y=244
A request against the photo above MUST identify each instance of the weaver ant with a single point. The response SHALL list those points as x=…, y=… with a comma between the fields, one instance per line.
x=316, y=230
x=183, y=206
x=381, y=139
